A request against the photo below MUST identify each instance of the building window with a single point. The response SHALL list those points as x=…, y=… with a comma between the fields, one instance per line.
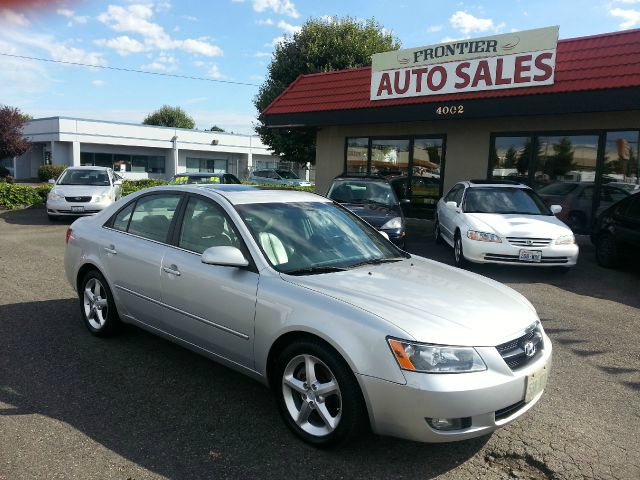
x=511, y=158
x=357, y=155
x=390, y=157
x=622, y=158
x=207, y=165
x=124, y=163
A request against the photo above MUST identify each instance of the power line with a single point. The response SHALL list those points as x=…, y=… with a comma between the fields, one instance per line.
x=131, y=70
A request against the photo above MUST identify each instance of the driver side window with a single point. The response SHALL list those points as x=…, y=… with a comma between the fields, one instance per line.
x=205, y=225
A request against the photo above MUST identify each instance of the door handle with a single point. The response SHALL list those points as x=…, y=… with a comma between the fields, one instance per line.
x=173, y=270
x=111, y=249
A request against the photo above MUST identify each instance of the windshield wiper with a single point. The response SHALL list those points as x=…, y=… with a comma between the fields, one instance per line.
x=376, y=261
x=316, y=270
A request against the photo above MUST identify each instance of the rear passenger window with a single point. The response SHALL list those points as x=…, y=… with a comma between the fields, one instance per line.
x=152, y=216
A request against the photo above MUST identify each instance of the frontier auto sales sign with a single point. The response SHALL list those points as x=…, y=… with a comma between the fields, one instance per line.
x=513, y=60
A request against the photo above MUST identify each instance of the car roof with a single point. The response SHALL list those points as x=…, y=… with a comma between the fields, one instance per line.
x=87, y=167
x=373, y=178
x=243, y=194
x=493, y=183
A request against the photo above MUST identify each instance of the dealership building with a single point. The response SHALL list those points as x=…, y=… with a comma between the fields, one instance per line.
x=137, y=151
x=523, y=106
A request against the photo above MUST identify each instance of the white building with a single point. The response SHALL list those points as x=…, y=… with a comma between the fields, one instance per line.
x=138, y=151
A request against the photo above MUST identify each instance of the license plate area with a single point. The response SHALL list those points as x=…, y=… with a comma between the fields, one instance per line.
x=77, y=209
x=530, y=256
x=536, y=382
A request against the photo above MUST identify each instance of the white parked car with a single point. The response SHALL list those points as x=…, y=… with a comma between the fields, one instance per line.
x=83, y=191
x=302, y=295
x=503, y=222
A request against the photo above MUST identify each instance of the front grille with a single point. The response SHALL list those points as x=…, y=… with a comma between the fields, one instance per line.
x=83, y=212
x=529, y=242
x=78, y=199
x=513, y=351
x=508, y=411
x=494, y=257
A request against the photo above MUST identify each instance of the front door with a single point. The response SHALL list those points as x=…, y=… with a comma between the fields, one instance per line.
x=210, y=306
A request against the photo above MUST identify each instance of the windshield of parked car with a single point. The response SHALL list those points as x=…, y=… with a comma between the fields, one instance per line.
x=287, y=174
x=315, y=237
x=362, y=191
x=98, y=178
x=505, y=201
x=559, y=188
x=195, y=179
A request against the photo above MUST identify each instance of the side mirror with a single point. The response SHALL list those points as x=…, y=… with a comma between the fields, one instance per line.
x=384, y=234
x=451, y=204
x=224, y=256
x=555, y=209
x=51, y=181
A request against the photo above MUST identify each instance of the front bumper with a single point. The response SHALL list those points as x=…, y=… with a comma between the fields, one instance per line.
x=64, y=208
x=489, y=399
x=506, y=253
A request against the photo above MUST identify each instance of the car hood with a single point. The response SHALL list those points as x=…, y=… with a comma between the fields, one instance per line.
x=81, y=190
x=430, y=301
x=516, y=225
x=376, y=215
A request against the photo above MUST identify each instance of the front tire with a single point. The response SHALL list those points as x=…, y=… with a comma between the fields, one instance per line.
x=607, y=251
x=458, y=252
x=317, y=394
x=436, y=233
x=97, y=307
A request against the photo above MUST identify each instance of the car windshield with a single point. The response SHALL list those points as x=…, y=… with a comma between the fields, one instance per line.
x=314, y=237
x=360, y=192
x=558, y=189
x=505, y=201
x=98, y=178
x=195, y=179
x=287, y=174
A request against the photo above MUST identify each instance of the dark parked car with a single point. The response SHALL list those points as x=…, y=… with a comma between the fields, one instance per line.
x=616, y=234
x=191, y=178
x=373, y=199
x=576, y=200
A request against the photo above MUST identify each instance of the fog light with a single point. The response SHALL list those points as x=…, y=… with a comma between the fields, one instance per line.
x=448, y=424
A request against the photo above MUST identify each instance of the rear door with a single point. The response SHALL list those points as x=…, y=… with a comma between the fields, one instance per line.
x=134, y=241
x=628, y=223
x=210, y=306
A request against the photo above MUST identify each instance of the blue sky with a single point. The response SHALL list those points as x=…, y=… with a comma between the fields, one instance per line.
x=228, y=40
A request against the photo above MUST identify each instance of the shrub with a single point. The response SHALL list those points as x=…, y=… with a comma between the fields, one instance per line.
x=130, y=186
x=4, y=172
x=15, y=196
x=46, y=172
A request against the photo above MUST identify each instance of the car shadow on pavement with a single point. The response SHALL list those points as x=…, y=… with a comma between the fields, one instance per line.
x=174, y=412
x=35, y=215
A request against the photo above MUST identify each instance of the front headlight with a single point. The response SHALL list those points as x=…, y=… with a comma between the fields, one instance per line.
x=483, y=236
x=392, y=224
x=566, y=240
x=422, y=357
x=55, y=195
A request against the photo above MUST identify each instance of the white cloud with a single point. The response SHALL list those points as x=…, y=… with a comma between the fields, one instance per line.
x=14, y=18
x=98, y=83
x=262, y=54
x=630, y=17
x=75, y=55
x=287, y=27
x=435, y=28
x=136, y=18
x=268, y=21
x=159, y=67
x=199, y=63
x=467, y=23
x=626, y=1
x=215, y=73
x=200, y=47
x=274, y=42
x=70, y=14
x=124, y=45
x=283, y=7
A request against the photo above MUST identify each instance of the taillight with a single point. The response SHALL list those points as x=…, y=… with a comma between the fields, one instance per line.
x=68, y=234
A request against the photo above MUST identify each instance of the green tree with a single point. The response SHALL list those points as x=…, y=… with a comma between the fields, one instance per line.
x=321, y=46
x=168, y=116
x=528, y=157
x=510, y=157
x=12, y=142
x=216, y=128
x=561, y=161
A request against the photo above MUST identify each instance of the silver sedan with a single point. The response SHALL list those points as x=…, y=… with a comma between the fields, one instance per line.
x=297, y=292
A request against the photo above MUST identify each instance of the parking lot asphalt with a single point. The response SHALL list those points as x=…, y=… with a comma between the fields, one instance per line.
x=138, y=407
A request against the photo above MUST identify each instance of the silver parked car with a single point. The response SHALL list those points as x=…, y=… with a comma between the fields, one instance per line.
x=272, y=176
x=299, y=293
x=83, y=191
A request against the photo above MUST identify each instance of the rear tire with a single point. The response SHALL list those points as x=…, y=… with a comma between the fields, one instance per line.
x=97, y=307
x=458, y=252
x=607, y=251
x=318, y=395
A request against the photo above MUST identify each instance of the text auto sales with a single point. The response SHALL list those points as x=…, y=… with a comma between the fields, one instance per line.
x=508, y=71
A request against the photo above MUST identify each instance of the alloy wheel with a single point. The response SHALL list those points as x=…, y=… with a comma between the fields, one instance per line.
x=95, y=303
x=312, y=395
